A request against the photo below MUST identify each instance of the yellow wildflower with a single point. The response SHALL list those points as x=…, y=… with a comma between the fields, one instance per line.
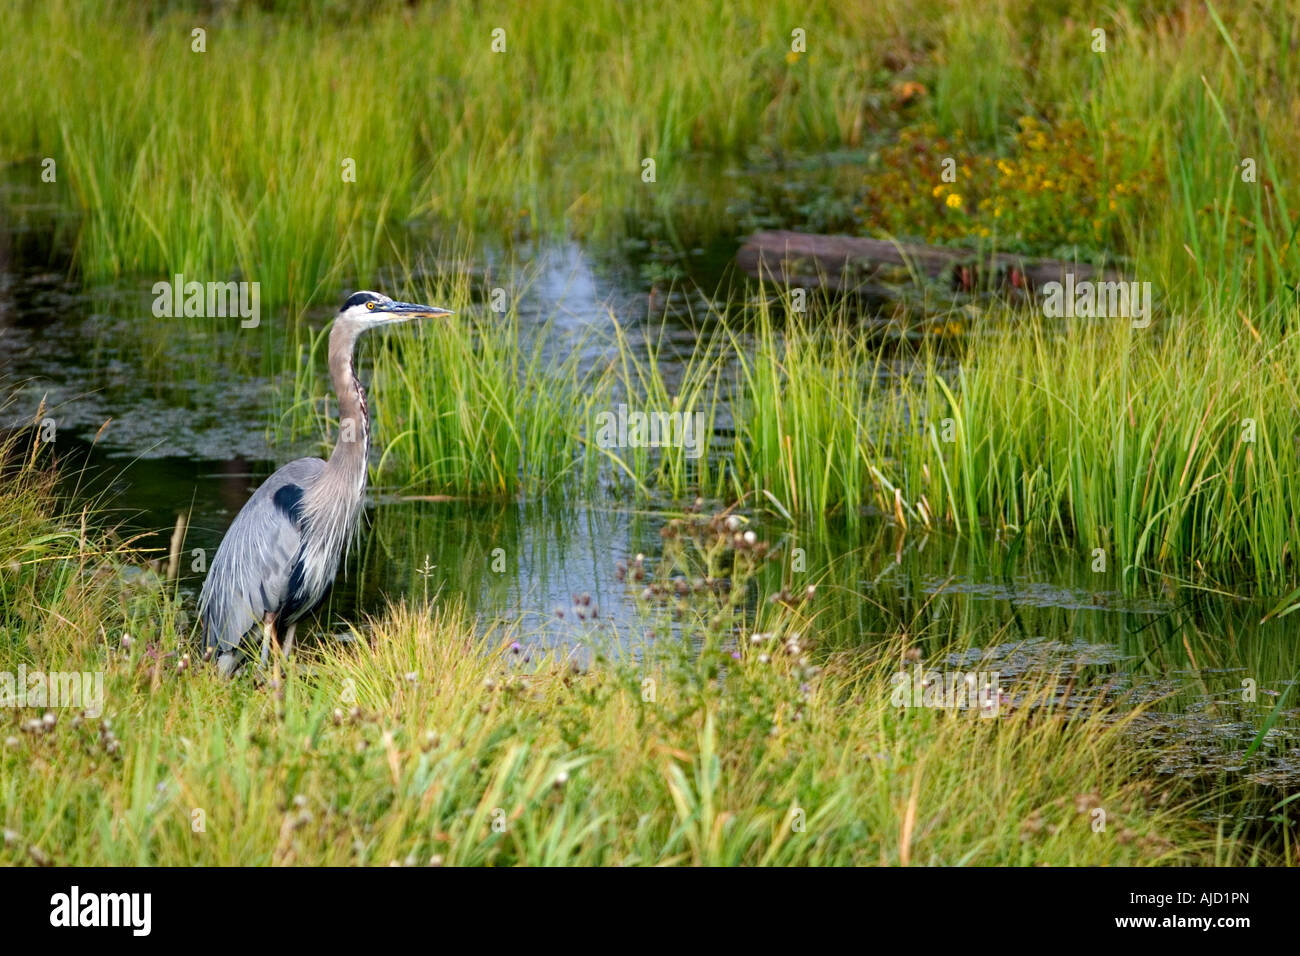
x=953, y=201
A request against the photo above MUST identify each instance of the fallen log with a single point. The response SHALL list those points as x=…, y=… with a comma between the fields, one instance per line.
x=877, y=268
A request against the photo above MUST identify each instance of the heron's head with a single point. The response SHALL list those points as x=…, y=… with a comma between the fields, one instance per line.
x=369, y=310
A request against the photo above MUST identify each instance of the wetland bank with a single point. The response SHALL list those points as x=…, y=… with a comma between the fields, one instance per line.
x=568, y=646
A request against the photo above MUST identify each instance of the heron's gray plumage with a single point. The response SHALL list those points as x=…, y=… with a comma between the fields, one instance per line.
x=283, y=549
x=252, y=569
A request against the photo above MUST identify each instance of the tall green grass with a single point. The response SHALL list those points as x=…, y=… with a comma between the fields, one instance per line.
x=230, y=161
x=1169, y=448
x=471, y=405
x=436, y=739
x=471, y=762
x=1199, y=87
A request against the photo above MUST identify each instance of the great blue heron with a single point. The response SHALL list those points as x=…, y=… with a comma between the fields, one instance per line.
x=282, y=550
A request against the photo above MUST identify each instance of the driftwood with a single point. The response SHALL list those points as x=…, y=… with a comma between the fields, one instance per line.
x=878, y=268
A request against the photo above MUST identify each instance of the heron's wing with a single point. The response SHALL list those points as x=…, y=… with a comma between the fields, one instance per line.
x=250, y=573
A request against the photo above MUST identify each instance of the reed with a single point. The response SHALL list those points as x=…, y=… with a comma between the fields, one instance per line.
x=231, y=161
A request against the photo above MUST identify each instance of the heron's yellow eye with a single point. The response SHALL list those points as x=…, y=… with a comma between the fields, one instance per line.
x=370, y=306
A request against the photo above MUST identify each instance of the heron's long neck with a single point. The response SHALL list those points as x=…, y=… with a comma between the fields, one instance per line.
x=332, y=506
x=350, y=455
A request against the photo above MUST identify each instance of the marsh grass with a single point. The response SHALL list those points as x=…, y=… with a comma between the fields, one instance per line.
x=434, y=738
x=473, y=405
x=650, y=376
x=230, y=161
x=474, y=762
x=48, y=548
x=34, y=546
x=484, y=414
x=1169, y=448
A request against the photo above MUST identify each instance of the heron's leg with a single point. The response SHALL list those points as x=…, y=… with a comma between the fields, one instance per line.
x=287, y=647
x=268, y=635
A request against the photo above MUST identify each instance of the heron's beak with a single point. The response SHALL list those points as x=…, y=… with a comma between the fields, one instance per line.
x=409, y=310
